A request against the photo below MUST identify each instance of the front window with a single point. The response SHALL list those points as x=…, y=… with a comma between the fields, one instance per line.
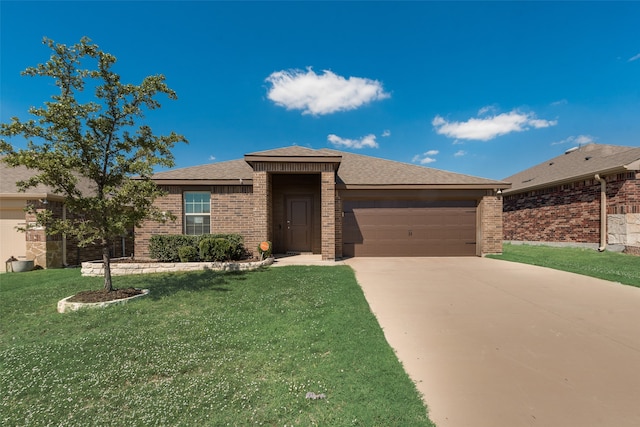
x=197, y=209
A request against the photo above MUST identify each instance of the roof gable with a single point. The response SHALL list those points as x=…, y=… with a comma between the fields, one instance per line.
x=575, y=164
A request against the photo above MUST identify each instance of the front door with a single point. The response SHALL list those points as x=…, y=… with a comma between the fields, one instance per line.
x=298, y=224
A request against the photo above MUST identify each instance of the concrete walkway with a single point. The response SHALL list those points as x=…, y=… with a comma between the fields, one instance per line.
x=284, y=260
x=499, y=344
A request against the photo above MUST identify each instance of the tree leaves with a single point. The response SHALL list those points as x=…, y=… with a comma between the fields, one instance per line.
x=89, y=148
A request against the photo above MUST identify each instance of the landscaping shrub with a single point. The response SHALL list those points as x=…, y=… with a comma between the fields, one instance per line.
x=188, y=254
x=236, y=246
x=165, y=247
x=215, y=249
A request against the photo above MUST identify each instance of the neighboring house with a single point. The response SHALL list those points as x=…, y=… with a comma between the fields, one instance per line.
x=46, y=250
x=561, y=201
x=332, y=203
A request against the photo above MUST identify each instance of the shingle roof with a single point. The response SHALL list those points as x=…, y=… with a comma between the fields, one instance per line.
x=295, y=151
x=230, y=170
x=354, y=169
x=10, y=175
x=576, y=164
x=357, y=169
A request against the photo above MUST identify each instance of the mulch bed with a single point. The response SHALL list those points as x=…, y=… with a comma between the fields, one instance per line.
x=104, y=296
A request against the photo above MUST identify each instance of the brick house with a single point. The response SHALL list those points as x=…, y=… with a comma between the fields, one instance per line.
x=47, y=251
x=332, y=203
x=588, y=196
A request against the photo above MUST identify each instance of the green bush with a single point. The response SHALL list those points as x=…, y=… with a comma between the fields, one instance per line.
x=165, y=247
x=236, y=246
x=215, y=249
x=188, y=254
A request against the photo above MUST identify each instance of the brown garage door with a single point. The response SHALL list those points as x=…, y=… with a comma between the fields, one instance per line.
x=409, y=228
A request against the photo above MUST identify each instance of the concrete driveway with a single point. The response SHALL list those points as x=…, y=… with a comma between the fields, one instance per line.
x=493, y=343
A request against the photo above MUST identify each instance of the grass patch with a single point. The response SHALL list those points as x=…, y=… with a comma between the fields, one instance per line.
x=205, y=348
x=613, y=266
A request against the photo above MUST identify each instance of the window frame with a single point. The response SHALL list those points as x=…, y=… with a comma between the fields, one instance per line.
x=199, y=209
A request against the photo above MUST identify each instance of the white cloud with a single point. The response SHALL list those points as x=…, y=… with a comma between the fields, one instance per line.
x=386, y=133
x=576, y=140
x=560, y=102
x=425, y=158
x=487, y=109
x=319, y=94
x=487, y=128
x=366, y=141
x=634, y=58
x=460, y=153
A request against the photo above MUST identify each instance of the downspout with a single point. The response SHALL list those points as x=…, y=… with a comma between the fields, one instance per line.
x=603, y=213
x=64, y=237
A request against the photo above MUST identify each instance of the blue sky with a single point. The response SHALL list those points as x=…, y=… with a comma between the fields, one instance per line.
x=484, y=89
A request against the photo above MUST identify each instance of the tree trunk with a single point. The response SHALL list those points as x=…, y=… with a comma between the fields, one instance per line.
x=106, y=261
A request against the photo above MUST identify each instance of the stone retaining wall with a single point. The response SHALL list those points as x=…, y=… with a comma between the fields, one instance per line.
x=95, y=268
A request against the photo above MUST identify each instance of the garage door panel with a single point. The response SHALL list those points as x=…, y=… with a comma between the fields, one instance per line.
x=369, y=230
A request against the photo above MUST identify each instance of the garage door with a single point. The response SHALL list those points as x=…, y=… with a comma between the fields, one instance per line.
x=12, y=242
x=409, y=228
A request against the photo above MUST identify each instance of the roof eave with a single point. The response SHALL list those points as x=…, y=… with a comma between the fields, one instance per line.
x=237, y=181
x=32, y=196
x=485, y=186
x=250, y=158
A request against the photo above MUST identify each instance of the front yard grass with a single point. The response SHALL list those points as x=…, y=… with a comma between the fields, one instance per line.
x=613, y=266
x=205, y=348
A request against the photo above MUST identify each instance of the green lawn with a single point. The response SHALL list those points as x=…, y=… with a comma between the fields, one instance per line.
x=613, y=266
x=204, y=349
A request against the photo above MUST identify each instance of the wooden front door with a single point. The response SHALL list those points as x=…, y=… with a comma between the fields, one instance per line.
x=298, y=224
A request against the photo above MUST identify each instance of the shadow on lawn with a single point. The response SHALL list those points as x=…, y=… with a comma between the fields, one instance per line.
x=162, y=285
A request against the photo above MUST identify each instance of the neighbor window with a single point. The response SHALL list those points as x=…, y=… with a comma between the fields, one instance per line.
x=197, y=209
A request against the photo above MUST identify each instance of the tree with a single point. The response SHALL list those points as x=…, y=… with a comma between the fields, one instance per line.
x=93, y=138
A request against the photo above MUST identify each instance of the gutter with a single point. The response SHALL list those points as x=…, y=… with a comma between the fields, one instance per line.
x=603, y=213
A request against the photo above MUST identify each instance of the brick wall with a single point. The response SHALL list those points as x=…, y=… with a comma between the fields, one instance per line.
x=623, y=193
x=172, y=203
x=338, y=214
x=569, y=212
x=491, y=228
x=232, y=212
x=328, y=214
x=262, y=203
x=48, y=250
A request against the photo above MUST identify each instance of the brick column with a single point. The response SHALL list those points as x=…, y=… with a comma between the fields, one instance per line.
x=262, y=206
x=338, y=233
x=328, y=214
x=490, y=225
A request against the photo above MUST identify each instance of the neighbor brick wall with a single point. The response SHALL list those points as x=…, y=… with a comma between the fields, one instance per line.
x=569, y=212
x=623, y=193
x=47, y=250
x=490, y=230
